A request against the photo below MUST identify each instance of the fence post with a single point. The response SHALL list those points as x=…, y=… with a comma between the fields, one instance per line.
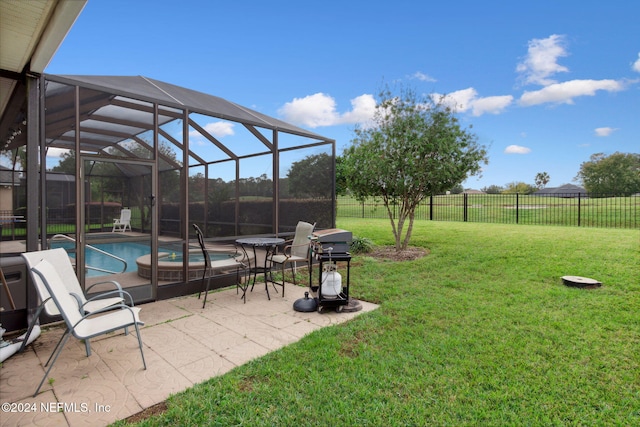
x=363, y=209
x=431, y=207
x=517, y=208
x=466, y=206
x=579, y=206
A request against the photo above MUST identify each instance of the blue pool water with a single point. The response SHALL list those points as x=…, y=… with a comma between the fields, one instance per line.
x=129, y=251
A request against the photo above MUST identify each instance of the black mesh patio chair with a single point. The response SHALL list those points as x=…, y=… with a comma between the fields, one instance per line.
x=208, y=271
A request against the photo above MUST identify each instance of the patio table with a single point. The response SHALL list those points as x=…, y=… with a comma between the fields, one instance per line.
x=269, y=244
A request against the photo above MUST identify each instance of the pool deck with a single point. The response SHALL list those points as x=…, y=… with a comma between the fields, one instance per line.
x=183, y=343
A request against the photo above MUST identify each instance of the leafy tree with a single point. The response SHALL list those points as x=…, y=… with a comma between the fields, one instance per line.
x=493, y=189
x=67, y=164
x=457, y=189
x=616, y=175
x=220, y=191
x=17, y=157
x=415, y=148
x=542, y=179
x=341, y=180
x=260, y=186
x=312, y=177
x=519, y=187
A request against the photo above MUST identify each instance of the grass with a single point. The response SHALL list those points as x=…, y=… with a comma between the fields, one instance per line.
x=479, y=332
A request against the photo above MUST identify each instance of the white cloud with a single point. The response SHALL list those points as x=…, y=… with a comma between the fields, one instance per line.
x=217, y=129
x=636, y=65
x=606, y=131
x=459, y=100
x=491, y=104
x=363, y=108
x=563, y=93
x=541, y=61
x=468, y=100
x=56, y=152
x=517, y=149
x=423, y=77
x=320, y=110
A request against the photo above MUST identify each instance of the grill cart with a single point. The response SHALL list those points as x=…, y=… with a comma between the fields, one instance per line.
x=329, y=248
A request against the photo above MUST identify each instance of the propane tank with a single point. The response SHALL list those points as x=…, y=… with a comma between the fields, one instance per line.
x=331, y=281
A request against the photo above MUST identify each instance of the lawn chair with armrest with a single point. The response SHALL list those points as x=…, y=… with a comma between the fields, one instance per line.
x=60, y=259
x=295, y=251
x=123, y=222
x=82, y=326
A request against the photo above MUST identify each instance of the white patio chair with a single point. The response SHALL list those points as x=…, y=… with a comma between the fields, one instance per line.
x=123, y=222
x=82, y=326
x=60, y=259
x=296, y=251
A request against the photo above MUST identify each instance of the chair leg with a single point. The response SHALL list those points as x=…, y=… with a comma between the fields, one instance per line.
x=56, y=351
x=293, y=273
x=240, y=285
x=204, y=274
x=206, y=288
x=66, y=333
x=144, y=363
x=206, y=292
x=33, y=323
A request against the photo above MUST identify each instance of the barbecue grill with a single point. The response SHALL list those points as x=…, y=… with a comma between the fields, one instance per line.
x=328, y=248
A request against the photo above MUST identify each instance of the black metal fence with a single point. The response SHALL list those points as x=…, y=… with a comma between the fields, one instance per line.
x=570, y=209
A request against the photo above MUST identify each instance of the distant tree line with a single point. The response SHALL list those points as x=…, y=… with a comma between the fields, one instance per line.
x=615, y=175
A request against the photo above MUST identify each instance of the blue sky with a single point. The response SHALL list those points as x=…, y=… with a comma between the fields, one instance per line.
x=545, y=84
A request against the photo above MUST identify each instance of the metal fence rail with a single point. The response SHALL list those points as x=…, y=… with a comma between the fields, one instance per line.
x=570, y=209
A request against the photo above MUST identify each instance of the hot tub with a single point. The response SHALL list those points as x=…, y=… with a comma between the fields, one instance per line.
x=170, y=264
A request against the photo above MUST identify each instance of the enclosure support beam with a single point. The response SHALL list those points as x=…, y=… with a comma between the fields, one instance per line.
x=34, y=185
x=276, y=183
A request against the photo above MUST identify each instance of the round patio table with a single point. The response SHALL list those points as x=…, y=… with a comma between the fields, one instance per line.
x=269, y=244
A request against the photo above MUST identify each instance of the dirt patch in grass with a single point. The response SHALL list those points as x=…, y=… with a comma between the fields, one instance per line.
x=156, y=409
x=389, y=253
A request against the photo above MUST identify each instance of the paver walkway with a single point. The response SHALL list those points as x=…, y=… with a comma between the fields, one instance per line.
x=183, y=345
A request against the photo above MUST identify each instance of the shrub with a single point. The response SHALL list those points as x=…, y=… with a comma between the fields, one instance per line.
x=361, y=245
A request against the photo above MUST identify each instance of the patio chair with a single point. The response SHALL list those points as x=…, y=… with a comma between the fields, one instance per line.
x=123, y=222
x=82, y=326
x=60, y=259
x=297, y=250
x=208, y=270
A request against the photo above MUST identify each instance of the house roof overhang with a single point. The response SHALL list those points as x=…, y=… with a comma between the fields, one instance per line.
x=30, y=34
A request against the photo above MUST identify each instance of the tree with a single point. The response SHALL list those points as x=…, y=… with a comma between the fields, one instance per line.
x=341, y=180
x=457, y=189
x=615, y=175
x=17, y=157
x=312, y=177
x=542, y=179
x=415, y=148
x=493, y=189
x=519, y=187
x=67, y=164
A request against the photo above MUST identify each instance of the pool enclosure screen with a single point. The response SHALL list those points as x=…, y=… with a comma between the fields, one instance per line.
x=97, y=145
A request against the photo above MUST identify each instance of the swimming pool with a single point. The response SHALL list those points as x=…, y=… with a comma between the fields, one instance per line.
x=138, y=259
x=99, y=264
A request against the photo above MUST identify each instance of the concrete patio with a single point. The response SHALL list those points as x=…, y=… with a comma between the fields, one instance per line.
x=183, y=344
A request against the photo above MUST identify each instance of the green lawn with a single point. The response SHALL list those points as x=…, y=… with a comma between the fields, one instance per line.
x=479, y=332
